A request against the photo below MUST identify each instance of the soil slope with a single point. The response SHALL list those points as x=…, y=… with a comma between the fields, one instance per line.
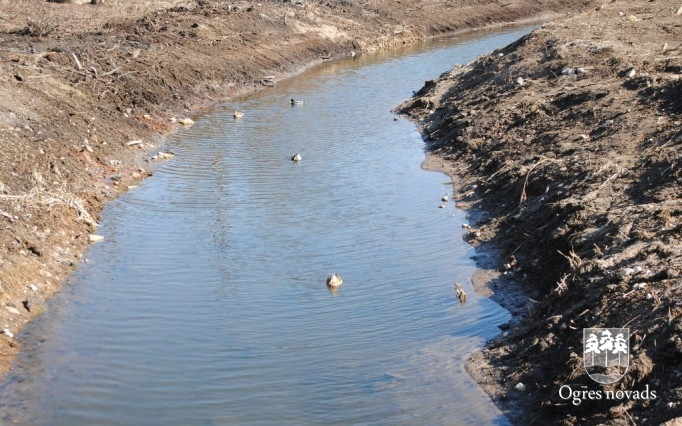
x=89, y=90
x=566, y=146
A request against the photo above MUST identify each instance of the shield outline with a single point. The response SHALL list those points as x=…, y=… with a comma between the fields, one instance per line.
x=601, y=378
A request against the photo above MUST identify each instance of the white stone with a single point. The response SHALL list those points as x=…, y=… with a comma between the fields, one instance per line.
x=96, y=238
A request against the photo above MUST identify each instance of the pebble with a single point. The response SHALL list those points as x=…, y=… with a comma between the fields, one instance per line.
x=631, y=73
x=33, y=287
x=7, y=333
x=639, y=286
x=165, y=155
x=186, y=121
x=520, y=387
x=13, y=310
x=637, y=269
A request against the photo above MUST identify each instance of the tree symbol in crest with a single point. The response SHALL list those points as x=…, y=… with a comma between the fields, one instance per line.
x=592, y=346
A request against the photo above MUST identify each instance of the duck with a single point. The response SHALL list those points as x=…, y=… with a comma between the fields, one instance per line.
x=334, y=281
x=296, y=157
x=238, y=114
x=297, y=102
x=461, y=295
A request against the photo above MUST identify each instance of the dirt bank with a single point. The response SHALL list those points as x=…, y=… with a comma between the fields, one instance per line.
x=88, y=92
x=566, y=148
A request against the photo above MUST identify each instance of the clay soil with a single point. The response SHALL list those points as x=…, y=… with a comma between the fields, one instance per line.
x=566, y=147
x=572, y=179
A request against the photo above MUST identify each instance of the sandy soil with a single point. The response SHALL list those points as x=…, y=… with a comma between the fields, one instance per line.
x=565, y=146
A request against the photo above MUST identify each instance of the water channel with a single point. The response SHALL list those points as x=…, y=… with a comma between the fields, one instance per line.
x=206, y=304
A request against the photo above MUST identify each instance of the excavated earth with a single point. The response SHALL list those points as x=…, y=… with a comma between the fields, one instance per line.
x=566, y=149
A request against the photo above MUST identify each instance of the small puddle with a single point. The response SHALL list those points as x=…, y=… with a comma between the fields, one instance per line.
x=206, y=304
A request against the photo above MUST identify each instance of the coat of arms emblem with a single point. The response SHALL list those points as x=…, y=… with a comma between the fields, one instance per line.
x=606, y=353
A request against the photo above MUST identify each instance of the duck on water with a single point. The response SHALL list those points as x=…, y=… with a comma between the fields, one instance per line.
x=334, y=281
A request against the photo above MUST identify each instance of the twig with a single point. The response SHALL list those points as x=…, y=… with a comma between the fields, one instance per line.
x=78, y=63
x=110, y=72
x=628, y=323
x=573, y=259
x=524, y=197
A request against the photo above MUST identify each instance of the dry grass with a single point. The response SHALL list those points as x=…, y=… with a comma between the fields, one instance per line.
x=41, y=197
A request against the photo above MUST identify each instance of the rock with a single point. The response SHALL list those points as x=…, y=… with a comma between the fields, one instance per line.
x=626, y=272
x=165, y=155
x=13, y=310
x=186, y=121
x=95, y=238
x=520, y=387
x=630, y=73
x=637, y=269
x=445, y=198
x=7, y=333
x=33, y=287
x=135, y=142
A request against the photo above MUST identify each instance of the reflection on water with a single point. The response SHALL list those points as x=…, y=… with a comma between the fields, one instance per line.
x=207, y=303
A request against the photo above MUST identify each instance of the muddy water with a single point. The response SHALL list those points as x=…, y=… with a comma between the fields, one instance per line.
x=207, y=304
